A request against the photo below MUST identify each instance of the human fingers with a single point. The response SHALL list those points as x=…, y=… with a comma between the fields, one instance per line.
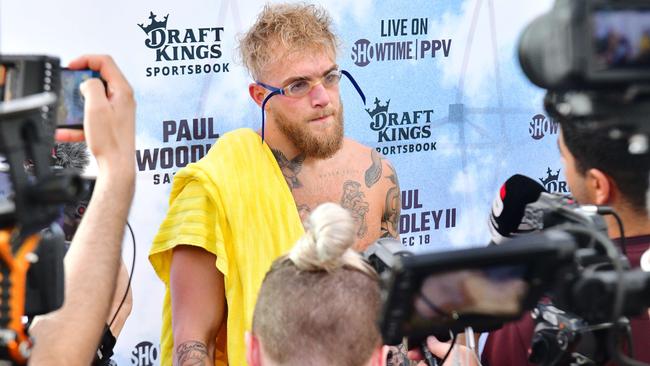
x=68, y=135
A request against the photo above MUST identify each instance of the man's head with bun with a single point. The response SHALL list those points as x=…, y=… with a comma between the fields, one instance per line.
x=318, y=305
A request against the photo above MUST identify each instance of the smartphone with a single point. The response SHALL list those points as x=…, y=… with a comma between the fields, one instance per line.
x=70, y=110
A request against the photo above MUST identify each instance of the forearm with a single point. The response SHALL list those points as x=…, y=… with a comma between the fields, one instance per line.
x=198, y=305
x=120, y=311
x=91, y=268
x=194, y=343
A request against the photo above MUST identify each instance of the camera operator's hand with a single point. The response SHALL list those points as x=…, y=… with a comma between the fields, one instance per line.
x=109, y=115
x=440, y=349
x=70, y=335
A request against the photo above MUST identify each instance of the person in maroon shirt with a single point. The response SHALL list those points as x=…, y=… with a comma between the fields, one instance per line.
x=599, y=170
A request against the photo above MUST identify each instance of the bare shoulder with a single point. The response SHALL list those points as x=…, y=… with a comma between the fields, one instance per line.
x=354, y=147
x=375, y=164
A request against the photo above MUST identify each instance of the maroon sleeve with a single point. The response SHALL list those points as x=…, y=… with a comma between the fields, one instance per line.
x=636, y=246
x=509, y=345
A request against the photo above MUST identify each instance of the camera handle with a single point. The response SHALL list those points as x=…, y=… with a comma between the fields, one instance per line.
x=14, y=341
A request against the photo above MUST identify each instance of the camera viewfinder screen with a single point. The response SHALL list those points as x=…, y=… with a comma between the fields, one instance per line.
x=71, y=106
x=492, y=291
x=6, y=188
x=621, y=39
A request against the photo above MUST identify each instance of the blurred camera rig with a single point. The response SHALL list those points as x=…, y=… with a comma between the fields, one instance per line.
x=31, y=248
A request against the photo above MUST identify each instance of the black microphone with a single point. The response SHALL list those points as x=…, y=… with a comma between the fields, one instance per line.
x=509, y=205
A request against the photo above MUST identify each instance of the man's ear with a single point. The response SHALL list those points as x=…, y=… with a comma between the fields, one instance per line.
x=257, y=93
x=601, y=188
x=253, y=349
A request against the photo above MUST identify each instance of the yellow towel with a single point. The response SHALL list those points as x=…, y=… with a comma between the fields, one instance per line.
x=234, y=203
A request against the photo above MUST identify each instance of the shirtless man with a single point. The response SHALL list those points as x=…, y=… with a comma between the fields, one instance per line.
x=232, y=213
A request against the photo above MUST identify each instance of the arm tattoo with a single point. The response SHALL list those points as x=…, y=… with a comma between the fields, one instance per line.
x=392, y=207
x=374, y=172
x=290, y=168
x=192, y=353
x=354, y=200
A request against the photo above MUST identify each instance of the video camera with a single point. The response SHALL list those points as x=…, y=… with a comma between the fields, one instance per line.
x=31, y=248
x=593, y=57
x=588, y=44
x=570, y=261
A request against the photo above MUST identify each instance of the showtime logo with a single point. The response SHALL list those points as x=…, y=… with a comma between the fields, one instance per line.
x=540, y=126
x=402, y=39
x=144, y=354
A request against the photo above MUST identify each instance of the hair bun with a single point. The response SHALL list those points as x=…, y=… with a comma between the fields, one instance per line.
x=329, y=234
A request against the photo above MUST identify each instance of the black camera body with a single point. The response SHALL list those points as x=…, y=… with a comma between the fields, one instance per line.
x=569, y=259
x=593, y=58
x=436, y=293
x=28, y=75
x=552, y=209
x=557, y=336
x=588, y=44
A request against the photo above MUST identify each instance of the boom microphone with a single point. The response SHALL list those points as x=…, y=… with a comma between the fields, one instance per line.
x=508, y=207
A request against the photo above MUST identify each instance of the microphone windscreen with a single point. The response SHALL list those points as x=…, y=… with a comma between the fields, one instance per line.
x=72, y=155
x=509, y=205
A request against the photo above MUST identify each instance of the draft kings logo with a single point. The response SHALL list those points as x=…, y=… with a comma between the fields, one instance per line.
x=401, y=132
x=186, y=51
x=552, y=182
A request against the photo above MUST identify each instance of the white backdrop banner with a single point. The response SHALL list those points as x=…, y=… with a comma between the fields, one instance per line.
x=447, y=104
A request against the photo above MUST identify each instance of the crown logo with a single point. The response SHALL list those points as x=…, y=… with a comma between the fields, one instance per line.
x=378, y=108
x=551, y=177
x=154, y=23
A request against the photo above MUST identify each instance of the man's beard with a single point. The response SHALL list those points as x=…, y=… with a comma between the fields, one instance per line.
x=311, y=141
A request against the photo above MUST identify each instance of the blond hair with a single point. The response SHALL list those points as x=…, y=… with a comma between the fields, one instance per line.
x=320, y=303
x=288, y=28
x=327, y=242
